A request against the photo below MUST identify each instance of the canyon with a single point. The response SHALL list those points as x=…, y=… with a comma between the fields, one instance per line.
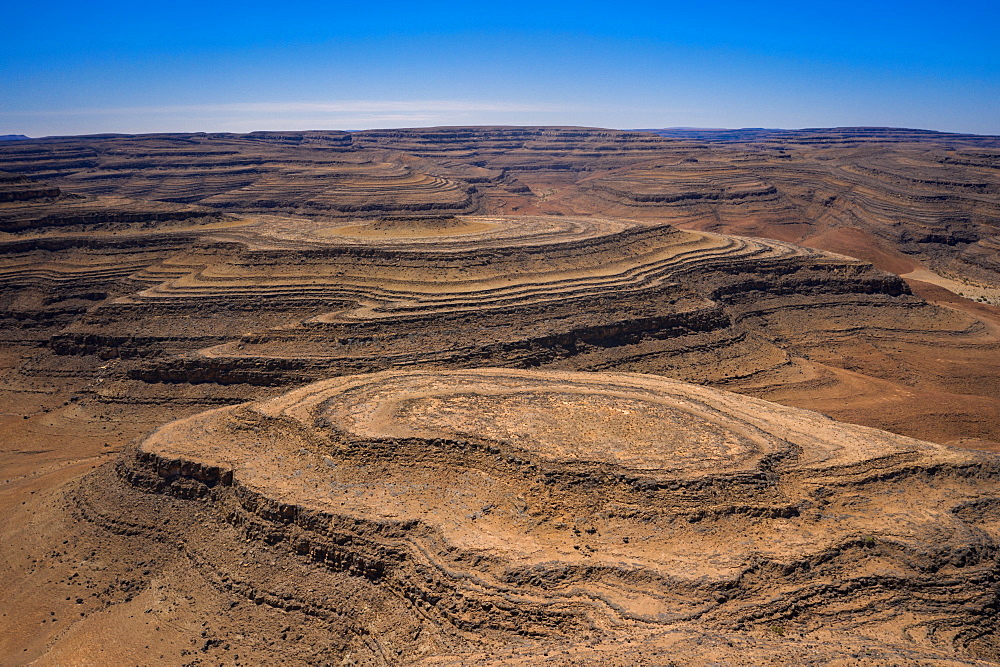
x=501, y=394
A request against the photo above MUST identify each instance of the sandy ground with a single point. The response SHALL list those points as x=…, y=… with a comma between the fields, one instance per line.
x=975, y=291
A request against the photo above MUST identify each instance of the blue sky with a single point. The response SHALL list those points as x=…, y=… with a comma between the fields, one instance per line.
x=75, y=67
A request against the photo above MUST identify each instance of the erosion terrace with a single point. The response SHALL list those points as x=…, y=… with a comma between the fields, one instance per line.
x=501, y=395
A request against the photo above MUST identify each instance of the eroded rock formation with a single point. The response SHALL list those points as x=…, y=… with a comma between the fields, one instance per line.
x=435, y=511
x=914, y=197
x=218, y=312
x=496, y=510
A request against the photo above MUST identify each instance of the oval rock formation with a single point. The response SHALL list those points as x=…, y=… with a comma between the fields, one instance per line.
x=503, y=509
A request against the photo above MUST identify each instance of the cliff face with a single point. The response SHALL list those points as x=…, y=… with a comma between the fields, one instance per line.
x=21, y=188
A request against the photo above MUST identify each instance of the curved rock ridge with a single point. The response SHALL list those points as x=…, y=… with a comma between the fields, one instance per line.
x=434, y=234
x=503, y=262
x=511, y=289
x=631, y=421
x=276, y=300
x=513, y=505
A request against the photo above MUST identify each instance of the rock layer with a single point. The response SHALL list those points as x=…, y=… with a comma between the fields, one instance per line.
x=288, y=300
x=205, y=309
x=502, y=506
x=256, y=263
x=919, y=197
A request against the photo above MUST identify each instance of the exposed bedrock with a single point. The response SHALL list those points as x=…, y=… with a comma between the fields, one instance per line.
x=467, y=291
x=31, y=210
x=278, y=301
x=924, y=196
x=16, y=188
x=493, y=506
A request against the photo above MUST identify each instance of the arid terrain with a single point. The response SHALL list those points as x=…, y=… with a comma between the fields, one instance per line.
x=501, y=395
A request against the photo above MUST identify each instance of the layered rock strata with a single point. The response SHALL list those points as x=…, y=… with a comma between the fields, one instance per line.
x=498, y=509
x=220, y=311
x=917, y=197
x=466, y=291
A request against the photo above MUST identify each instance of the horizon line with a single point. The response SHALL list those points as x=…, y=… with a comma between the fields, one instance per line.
x=13, y=136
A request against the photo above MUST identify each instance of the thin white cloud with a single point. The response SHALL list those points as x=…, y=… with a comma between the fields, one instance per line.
x=337, y=114
x=337, y=107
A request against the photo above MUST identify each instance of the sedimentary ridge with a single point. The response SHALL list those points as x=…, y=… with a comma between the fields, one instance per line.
x=497, y=512
x=898, y=196
x=557, y=507
x=277, y=300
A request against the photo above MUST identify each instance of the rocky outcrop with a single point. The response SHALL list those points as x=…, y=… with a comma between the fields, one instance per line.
x=609, y=506
x=14, y=187
x=466, y=291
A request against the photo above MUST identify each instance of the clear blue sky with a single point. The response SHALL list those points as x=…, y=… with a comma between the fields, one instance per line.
x=80, y=67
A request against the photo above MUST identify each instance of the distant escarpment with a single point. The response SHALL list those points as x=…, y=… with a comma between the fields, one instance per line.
x=899, y=198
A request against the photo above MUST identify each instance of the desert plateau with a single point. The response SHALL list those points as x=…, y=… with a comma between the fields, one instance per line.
x=520, y=395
